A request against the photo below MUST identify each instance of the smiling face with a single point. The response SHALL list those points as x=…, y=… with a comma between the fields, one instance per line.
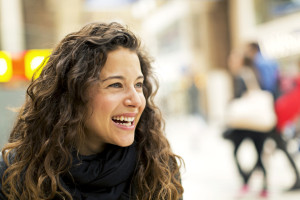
x=116, y=104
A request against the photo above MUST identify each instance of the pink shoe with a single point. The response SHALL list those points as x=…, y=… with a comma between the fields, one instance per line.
x=244, y=189
x=264, y=193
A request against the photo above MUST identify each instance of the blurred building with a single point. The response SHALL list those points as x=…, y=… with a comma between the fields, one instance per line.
x=189, y=39
x=11, y=25
x=273, y=23
x=183, y=37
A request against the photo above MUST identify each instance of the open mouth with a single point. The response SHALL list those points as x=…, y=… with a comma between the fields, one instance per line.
x=124, y=121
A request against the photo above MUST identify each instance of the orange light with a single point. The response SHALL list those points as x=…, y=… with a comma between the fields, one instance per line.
x=18, y=66
x=35, y=60
x=5, y=67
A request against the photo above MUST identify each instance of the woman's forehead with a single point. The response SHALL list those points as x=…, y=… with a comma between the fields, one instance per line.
x=121, y=61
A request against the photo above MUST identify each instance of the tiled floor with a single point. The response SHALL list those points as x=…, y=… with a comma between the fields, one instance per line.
x=210, y=173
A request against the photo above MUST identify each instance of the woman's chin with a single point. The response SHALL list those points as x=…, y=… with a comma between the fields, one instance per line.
x=125, y=142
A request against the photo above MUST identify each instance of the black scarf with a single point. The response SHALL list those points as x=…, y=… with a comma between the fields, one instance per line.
x=104, y=176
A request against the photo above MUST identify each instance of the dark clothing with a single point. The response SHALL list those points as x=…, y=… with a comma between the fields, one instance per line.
x=239, y=87
x=258, y=139
x=3, y=167
x=106, y=175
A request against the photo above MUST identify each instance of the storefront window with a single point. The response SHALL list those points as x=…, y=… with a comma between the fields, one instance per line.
x=267, y=10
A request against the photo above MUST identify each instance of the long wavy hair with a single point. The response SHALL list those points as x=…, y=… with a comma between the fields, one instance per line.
x=52, y=120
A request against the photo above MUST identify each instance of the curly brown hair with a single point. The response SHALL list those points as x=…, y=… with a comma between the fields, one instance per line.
x=53, y=119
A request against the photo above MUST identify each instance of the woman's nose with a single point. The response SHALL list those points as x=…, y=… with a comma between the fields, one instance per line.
x=133, y=98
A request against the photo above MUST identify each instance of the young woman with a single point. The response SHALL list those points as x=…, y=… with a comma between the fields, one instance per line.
x=89, y=128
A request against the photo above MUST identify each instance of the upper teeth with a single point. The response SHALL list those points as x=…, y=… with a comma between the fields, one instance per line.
x=122, y=118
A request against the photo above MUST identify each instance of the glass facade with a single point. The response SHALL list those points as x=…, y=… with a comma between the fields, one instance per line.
x=267, y=10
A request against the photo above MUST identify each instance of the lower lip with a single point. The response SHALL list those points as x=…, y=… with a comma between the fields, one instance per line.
x=131, y=127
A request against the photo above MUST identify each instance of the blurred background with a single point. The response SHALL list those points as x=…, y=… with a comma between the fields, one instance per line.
x=190, y=41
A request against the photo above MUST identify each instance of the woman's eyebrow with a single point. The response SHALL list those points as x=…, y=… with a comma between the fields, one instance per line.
x=112, y=77
x=119, y=77
x=140, y=77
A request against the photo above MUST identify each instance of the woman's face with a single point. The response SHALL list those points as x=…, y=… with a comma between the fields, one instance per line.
x=117, y=103
x=235, y=62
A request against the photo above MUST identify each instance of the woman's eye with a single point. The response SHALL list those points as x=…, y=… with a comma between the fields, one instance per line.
x=116, y=85
x=139, y=85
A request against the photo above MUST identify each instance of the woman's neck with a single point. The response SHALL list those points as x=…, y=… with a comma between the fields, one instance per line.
x=89, y=148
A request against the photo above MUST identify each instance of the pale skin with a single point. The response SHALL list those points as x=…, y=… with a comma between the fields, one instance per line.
x=235, y=62
x=116, y=104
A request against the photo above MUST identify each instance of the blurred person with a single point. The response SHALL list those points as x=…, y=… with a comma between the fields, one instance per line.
x=89, y=128
x=239, y=68
x=267, y=69
x=288, y=108
x=297, y=120
x=193, y=97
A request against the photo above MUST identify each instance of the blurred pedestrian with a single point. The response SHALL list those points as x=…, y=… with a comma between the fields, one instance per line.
x=288, y=109
x=89, y=128
x=240, y=68
x=193, y=96
x=267, y=69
